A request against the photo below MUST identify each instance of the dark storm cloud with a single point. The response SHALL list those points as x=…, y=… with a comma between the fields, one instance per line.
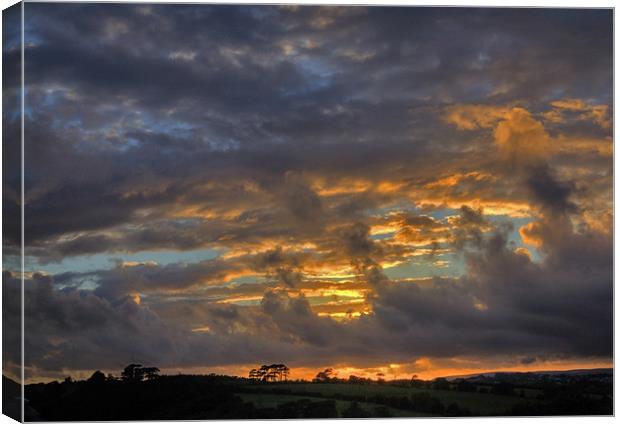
x=148, y=277
x=284, y=267
x=315, y=94
x=11, y=126
x=550, y=193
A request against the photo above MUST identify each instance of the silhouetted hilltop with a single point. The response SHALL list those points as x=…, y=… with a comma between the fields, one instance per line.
x=575, y=372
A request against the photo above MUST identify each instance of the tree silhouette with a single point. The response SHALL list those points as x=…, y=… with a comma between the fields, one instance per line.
x=254, y=374
x=359, y=380
x=150, y=373
x=284, y=372
x=97, y=378
x=267, y=373
x=131, y=374
x=325, y=375
x=136, y=372
x=273, y=372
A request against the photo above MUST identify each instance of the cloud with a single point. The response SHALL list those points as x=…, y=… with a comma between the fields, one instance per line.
x=285, y=268
x=548, y=192
x=471, y=117
x=522, y=138
x=554, y=308
x=586, y=111
x=528, y=360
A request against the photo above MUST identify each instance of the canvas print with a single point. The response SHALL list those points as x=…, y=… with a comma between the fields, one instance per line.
x=221, y=211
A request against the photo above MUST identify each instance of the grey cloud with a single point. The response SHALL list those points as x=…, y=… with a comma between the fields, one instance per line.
x=548, y=192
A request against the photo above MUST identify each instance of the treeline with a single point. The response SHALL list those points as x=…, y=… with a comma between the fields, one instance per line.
x=184, y=398
x=134, y=396
x=163, y=398
x=141, y=393
x=138, y=393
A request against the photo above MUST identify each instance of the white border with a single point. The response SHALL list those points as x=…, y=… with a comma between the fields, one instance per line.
x=478, y=3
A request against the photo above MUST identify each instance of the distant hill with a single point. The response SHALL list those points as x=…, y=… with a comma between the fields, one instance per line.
x=576, y=372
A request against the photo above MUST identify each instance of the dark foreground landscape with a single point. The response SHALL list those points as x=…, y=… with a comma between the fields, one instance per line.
x=142, y=394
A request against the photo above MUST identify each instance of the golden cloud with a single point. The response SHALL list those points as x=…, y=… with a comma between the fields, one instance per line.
x=530, y=234
x=522, y=138
x=598, y=114
x=472, y=117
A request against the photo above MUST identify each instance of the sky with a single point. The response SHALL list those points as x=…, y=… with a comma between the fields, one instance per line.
x=395, y=190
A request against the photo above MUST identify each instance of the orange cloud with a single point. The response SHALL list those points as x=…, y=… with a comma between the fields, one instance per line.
x=522, y=138
x=599, y=114
x=530, y=234
x=512, y=208
x=472, y=117
x=519, y=136
x=569, y=144
x=457, y=178
x=524, y=251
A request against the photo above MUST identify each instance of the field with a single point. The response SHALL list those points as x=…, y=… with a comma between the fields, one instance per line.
x=269, y=400
x=264, y=395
